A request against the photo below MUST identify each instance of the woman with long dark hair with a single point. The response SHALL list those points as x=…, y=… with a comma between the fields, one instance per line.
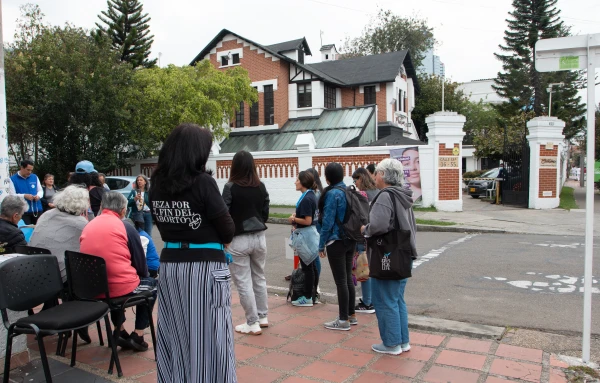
x=305, y=238
x=334, y=245
x=364, y=182
x=318, y=189
x=139, y=203
x=248, y=202
x=195, y=338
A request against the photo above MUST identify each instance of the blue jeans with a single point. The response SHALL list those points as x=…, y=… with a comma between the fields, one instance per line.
x=390, y=308
x=148, y=222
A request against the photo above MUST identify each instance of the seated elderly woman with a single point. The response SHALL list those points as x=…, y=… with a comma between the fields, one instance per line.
x=388, y=294
x=11, y=211
x=59, y=229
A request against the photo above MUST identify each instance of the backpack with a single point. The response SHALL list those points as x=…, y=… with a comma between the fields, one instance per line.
x=357, y=213
x=296, y=285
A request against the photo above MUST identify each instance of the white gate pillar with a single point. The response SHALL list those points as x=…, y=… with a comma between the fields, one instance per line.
x=446, y=136
x=545, y=138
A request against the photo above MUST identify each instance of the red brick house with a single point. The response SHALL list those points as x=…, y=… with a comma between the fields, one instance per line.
x=344, y=103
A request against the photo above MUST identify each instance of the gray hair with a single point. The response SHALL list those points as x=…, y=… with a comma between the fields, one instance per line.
x=73, y=199
x=147, y=187
x=393, y=171
x=114, y=201
x=12, y=205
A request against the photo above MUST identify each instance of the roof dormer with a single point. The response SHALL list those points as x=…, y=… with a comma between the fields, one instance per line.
x=294, y=49
x=329, y=53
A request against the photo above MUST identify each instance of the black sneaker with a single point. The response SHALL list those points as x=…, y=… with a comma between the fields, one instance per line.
x=137, y=343
x=123, y=340
x=361, y=307
x=83, y=334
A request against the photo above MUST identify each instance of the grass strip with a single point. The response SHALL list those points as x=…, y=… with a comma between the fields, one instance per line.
x=567, y=200
x=434, y=222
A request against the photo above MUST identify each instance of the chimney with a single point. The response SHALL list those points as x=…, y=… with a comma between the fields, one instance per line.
x=329, y=53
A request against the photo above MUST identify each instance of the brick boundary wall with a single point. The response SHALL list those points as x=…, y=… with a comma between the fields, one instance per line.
x=449, y=189
x=347, y=162
x=547, y=176
x=266, y=168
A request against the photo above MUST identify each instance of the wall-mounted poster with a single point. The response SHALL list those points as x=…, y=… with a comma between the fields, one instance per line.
x=412, y=170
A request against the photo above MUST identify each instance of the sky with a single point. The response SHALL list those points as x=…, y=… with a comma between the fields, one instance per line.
x=468, y=31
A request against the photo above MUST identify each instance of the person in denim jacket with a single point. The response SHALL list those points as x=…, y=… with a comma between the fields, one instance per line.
x=334, y=245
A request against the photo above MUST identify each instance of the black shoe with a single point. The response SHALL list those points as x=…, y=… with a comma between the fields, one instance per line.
x=83, y=334
x=288, y=277
x=123, y=340
x=137, y=343
x=362, y=308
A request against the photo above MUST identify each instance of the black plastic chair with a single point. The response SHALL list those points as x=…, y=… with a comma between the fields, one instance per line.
x=63, y=338
x=28, y=281
x=88, y=280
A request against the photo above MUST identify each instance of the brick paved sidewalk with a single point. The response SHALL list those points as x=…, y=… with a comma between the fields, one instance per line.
x=297, y=349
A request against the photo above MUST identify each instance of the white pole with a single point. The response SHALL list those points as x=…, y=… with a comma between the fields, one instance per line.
x=443, y=93
x=550, y=103
x=589, y=207
x=4, y=170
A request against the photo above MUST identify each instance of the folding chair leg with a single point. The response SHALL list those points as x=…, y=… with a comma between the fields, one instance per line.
x=59, y=344
x=74, y=349
x=44, y=358
x=100, y=333
x=9, y=339
x=152, y=332
x=64, y=345
x=113, y=342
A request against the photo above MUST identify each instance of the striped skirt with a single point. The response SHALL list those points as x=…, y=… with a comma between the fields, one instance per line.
x=195, y=333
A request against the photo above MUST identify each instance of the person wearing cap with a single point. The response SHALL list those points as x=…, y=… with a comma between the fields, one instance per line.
x=85, y=173
x=27, y=185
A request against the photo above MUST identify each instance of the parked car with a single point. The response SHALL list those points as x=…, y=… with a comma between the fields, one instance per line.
x=121, y=184
x=477, y=187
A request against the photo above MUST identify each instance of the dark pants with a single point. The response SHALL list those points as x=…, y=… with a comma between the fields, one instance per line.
x=340, y=254
x=30, y=219
x=311, y=278
x=142, y=319
x=153, y=273
x=147, y=222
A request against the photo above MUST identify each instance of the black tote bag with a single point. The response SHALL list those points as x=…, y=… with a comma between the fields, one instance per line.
x=391, y=253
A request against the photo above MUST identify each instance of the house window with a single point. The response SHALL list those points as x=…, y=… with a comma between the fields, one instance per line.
x=235, y=58
x=304, y=95
x=254, y=114
x=370, y=95
x=300, y=56
x=239, y=116
x=224, y=61
x=269, y=106
x=329, y=97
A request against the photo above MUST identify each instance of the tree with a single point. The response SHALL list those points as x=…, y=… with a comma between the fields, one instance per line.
x=162, y=98
x=66, y=89
x=520, y=83
x=430, y=100
x=388, y=32
x=127, y=26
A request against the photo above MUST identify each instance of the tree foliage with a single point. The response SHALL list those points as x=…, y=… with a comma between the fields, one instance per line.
x=520, y=83
x=388, y=32
x=165, y=97
x=127, y=27
x=65, y=90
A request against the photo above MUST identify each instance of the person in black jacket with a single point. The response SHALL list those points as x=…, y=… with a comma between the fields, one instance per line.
x=11, y=211
x=248, y=203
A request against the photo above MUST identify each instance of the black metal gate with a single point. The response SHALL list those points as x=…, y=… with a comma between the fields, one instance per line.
x=515, y=188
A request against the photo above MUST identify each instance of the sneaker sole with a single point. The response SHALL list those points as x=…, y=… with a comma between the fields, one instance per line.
x=303, y=305
x=338, y=328
x=249, y=333
x=386, y=352
x=264, y=325
x=365, y=311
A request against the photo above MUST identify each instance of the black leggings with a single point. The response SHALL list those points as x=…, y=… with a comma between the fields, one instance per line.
x=340, y=254
x=311, y=278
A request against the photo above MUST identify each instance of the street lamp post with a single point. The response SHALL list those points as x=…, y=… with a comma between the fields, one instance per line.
x=549, y=89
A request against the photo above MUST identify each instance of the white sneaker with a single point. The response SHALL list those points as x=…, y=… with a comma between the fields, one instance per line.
x=253, y=329
x=405, y=347
x=263, y=322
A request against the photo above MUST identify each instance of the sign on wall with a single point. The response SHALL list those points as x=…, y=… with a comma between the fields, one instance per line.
x=548, y=162
x=412, y=170
x=448, y=162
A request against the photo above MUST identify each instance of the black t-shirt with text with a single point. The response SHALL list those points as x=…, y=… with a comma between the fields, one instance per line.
x=307, y=208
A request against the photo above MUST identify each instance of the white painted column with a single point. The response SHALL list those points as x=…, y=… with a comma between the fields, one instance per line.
x=545, y=140
x=446, y=136
x=305, y=144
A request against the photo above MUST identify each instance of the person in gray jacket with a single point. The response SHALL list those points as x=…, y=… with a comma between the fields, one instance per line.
x=388, y=295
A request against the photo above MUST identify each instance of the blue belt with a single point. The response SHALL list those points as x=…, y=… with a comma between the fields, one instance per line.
x=187, y=245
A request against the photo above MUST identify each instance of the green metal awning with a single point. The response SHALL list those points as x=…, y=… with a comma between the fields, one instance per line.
x=332, y=129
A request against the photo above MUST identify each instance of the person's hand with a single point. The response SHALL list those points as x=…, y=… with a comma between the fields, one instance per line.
x=362, y=229
x=51, y=205
x=138, y=197
x=28, y=197
x=292, y=218
x=36, y=198
x=227, y=245
x=322, y=254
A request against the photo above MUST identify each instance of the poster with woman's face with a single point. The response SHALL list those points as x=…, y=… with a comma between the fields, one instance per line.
x=412, y=169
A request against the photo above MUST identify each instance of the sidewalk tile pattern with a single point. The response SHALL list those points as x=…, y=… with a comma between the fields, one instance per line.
x=295, y=348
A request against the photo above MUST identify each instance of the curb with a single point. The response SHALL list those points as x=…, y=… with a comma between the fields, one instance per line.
x=473, y=330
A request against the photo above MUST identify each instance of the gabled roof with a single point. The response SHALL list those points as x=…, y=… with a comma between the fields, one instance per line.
x=396, y=139
x=327, y=47
x=368, y=69
x=290, y=46
x=334, y=128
